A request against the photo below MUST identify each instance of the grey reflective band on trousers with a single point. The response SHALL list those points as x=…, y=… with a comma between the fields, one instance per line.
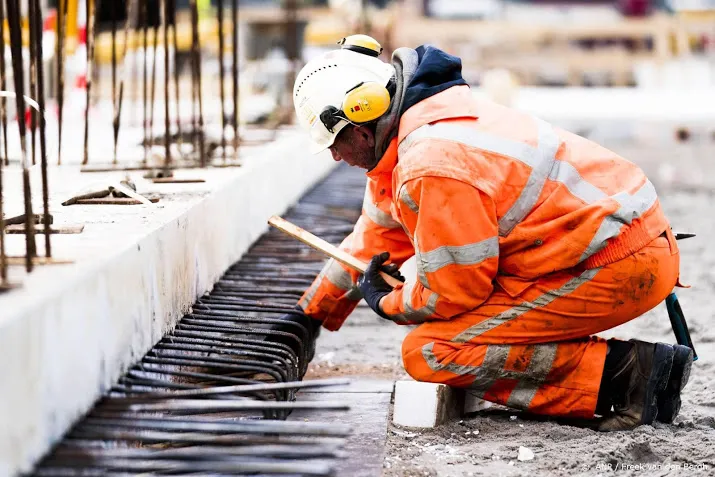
x=524, y=307
x=492, y=369
x=543, y=163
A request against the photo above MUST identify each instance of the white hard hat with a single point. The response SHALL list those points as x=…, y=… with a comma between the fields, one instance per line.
x=323, y=83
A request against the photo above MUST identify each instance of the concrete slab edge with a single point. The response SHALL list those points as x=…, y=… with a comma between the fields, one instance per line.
x=61, y=354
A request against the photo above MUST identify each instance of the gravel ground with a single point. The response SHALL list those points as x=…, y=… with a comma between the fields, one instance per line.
x=489, y=443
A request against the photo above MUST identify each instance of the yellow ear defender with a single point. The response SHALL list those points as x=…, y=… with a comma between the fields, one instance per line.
x=366, y=101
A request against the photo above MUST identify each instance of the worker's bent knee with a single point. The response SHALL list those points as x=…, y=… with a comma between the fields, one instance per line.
x=413, y=357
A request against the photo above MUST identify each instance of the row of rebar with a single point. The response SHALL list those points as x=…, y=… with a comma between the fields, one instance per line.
x=212, y=397
x=10, y=14
x=137, y=22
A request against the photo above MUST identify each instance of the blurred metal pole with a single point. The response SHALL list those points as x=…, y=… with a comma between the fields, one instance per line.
x=175, y=39
x=18, y=74
x=36, y=28
x=60, y=54
x=33, y=79
x=167, y=83
x=153, y=83
x=3, y=83
x=114, y=68
x=92, y=7
x=119, y=101
x=222, y=78
x=145, y=89
x=291, y=49
x=196, y=46
x=234, y=18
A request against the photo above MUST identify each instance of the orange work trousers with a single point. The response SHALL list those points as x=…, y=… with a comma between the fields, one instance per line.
x=535, y=352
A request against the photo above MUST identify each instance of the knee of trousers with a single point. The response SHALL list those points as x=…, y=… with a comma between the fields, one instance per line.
x=413, y=359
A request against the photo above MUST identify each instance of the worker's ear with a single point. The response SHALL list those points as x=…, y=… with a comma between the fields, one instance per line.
x=366, y=134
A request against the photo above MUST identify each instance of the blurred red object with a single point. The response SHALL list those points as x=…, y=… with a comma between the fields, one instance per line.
x=635, y=8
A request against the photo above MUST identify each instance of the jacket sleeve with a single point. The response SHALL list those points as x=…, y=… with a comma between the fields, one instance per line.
x=334, y=293
x=453, y=226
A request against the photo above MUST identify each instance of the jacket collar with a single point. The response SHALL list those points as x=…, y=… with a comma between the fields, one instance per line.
x=455, y=102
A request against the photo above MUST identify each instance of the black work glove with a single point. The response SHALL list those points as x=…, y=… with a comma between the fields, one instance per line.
x=373, y=286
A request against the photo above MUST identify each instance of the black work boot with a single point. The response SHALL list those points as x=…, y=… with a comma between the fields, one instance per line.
x=635, y=384
x=669, y=399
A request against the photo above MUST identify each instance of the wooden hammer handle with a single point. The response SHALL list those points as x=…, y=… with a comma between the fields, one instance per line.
x=327, y=248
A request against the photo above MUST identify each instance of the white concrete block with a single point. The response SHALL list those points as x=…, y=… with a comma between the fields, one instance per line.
x=425, y=404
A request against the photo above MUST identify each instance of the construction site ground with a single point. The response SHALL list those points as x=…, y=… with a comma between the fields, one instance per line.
x=487, y=444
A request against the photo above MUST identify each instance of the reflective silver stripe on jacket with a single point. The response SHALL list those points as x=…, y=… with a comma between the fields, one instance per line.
x=540, y=159
x=410, y=315
x=470, y=254
x=338, y=276
x=408, y=200
x=632, y=207
x=492, y=369
x=518, y=310
x=381, y=218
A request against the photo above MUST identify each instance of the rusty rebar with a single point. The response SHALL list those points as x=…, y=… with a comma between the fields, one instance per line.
x=234, y=66
x=119, y=100
x=3, y=84
x=13, y=19
x=113, y=13
x=145, y=81
x=92, y=7
x=196, y=46
x=36, y=28
x=221, y=75
x=167, y=74
x=153, y=82
x=175, y=39
x=60, y=53
x=33, y=80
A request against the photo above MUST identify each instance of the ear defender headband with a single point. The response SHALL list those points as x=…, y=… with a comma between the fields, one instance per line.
x=364, y=102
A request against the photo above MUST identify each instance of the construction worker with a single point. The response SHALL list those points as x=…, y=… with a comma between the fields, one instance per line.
x=528, y=240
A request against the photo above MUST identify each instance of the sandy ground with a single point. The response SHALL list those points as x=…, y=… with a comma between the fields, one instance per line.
x=488, y=444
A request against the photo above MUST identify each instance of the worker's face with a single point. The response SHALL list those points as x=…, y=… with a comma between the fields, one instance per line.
x=355, y=145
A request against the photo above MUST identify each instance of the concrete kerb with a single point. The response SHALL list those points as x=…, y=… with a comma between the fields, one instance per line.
x=74, y=329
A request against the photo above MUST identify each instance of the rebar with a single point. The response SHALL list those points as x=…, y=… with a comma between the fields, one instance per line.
x=92, y=7
x=36, y=37
x=13, y=19
x=217, y=389
x=145, y=85
x=196, y=47
x=153, y=81
x=114, y=70
x=60, y=53
x=175, y=39
x=167, y=82
x=234, y=66
x=221, y=75
x=119, y=100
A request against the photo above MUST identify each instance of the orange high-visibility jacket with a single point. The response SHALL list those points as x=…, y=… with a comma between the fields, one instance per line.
x=480, y=193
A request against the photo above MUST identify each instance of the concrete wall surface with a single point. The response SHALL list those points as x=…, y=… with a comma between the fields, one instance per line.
x=71, y=330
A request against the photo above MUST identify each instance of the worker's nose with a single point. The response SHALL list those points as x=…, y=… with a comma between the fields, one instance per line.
x=336, y=156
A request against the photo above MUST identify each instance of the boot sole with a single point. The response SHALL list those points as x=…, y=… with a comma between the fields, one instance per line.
x=657, y=381
x=669, y=400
